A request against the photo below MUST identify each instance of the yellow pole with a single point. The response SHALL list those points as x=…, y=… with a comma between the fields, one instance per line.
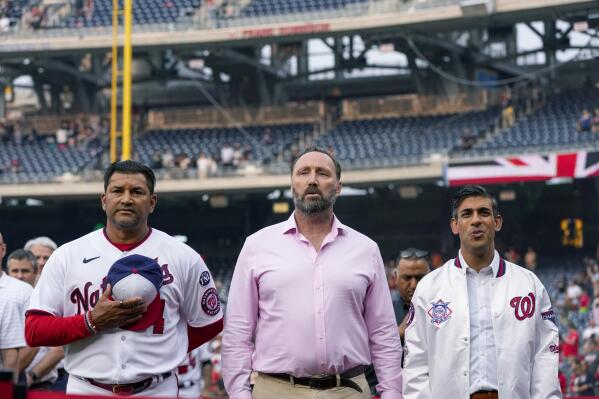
x=127, y=56
x=114, y=87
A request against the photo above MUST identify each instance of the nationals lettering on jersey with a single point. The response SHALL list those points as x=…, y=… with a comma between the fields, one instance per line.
x=69, y=286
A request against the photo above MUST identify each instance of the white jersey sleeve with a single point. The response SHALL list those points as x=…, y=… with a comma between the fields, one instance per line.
x=11, y=325
x=545, y=383
x=48, y=294
x=201, y=305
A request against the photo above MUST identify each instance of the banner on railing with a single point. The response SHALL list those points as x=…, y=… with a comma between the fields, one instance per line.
x=523, y=168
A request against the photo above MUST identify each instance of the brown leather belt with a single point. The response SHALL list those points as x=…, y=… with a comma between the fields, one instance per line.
x=127, y=389
x=484, y=395
x=325, y=381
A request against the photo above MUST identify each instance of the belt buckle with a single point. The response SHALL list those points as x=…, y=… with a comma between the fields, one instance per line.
x=118, y=389
x=315, y=381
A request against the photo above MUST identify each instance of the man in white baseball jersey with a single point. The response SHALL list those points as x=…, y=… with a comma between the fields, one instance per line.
x=42, y=372
x=480, y=327
x=72, y=303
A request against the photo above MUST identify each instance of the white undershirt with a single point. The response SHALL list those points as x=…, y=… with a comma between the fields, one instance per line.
x=483, y=358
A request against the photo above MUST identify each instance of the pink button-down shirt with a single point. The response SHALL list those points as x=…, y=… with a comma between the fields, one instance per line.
x=294, y=310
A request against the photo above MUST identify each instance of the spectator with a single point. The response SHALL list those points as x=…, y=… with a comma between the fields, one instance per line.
x=563, y=382
x=226, y=156
x=205, y=165
x=591, y=330
x=573, y=292
x=62, y=135
x=237, y=155
x=467, y=140
x=571, y=342
x=585, y=122
x=156, y=161
x=168, y=159
x=15, y=165
x=267, y=136
x=530, y=259
x=512, y=255
x=507, y=110
x=4, y=23
x=584, y=380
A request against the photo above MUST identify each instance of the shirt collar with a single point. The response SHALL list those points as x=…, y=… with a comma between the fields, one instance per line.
x=497, y=264
x=290, y=225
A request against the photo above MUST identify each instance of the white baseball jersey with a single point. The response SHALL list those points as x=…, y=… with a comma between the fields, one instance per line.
x=437, y=356
x=11, y=326
x=189, y=373
x=73, y=280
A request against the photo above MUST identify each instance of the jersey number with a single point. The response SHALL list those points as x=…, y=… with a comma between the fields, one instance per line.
x=159, y=323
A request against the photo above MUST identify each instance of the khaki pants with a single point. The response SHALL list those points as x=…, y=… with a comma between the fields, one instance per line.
x=267, y=387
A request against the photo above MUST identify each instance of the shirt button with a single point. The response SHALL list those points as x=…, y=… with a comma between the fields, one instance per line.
x=123, y=366
x=465, y=373
x=465, y=339
x=123, y=338
x=322, y=338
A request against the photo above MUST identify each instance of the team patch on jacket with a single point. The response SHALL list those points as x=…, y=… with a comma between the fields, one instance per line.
x=439, y=312
x=205, y=278
x=210, y=302
x=549, y=315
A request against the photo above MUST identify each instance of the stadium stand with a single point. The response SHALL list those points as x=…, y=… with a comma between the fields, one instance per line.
x=273, y=7
x=552, y=127
x=144, y=12
x=400, y=141
x=40, y=162
x=210, y=141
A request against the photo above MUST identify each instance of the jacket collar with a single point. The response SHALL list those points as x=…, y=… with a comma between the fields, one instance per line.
x=497, y=264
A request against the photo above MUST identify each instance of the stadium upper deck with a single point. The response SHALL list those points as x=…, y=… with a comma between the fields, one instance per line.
x=191, y=22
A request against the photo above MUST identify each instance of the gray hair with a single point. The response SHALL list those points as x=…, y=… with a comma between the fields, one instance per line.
x=43, y=241
x=23, y=254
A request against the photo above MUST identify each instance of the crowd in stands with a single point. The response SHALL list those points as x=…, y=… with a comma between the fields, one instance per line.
x=85, y=134
x=575, y=297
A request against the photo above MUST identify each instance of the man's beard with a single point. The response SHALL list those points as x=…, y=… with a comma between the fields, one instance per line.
x=313, y=206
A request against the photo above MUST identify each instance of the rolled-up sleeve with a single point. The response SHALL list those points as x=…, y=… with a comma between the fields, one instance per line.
x=385, y=345
x=240, y=322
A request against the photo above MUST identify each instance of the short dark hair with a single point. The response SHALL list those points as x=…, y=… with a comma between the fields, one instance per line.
x=23, y=254
x=130, y=167
x=471, y=191
x=316, y=149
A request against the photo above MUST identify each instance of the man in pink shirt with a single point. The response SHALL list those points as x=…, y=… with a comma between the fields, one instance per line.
x=309, y=305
